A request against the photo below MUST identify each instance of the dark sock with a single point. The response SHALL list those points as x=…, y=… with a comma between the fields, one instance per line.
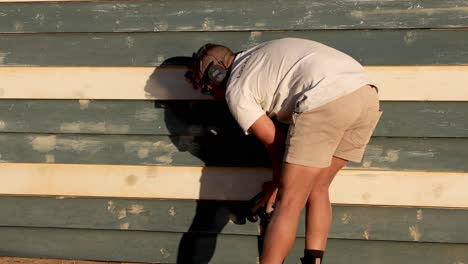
x=312, y=256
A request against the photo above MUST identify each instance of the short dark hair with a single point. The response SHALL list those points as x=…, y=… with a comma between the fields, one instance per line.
x=193, y=73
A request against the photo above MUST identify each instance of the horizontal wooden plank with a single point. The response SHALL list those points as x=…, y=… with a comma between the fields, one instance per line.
x=405, y=188
x=370, y=47
x=141, y=16
x=201, y=248
x=217, y=217
x=13, y=260
x=413, y=83
x=224, y=149
x=194, y=118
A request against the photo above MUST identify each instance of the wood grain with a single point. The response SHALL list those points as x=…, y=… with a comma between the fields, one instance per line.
x=369, y=47
x=399, y=188
x=383, y=223
x=412, y=83
x=138, y=16
x=197, y=118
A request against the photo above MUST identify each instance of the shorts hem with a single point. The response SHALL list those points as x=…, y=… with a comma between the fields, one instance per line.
x=350, y=157
x=307, y=163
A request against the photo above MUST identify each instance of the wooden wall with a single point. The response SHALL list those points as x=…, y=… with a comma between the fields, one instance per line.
x=106, y=153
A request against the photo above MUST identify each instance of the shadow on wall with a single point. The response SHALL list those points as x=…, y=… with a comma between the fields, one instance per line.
x=211, y=135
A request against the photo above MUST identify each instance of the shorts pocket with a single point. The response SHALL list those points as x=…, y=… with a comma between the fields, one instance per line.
x=361, y=135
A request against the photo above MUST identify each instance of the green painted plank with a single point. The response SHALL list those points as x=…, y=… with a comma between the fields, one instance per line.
x=426, y=154
x=211, y=217
x=194, y=118
x=370, y=47
x=423, y=119
x=164, y=247
x=186, y=15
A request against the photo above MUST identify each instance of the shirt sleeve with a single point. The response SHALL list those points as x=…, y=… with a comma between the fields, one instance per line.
x=244, y=108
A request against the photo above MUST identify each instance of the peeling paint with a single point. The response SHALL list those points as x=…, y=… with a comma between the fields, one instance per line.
x=111, y=206
x=131, y=180
x=163, y=25
x=172, y=211
x=39, y=17
x=357, y=14
x=43, y=144
x=160, y=146
x=3, y=56
x=164, y=159
x=376, y=153
x=49, y=158
x=124, y=226
x=122, y=214
x=418, y=10
x=80, y=145
x=18, y=26
x=130, y=41
x=419, y=215
x=421, y=154
x=147, y=114
x=2, y=125
x=208, y=24
x=260, y=24
x=161, y=58
x=365, y=235
x=414, y=233
x=255, y=36
x=393, y=155
x=346, y=218
x=75, y=127
x=410, y=37
x=84, y=104
x=143, y=153
x=366, y=163
x=59, y=25
x=136, y=209
x=164, y=252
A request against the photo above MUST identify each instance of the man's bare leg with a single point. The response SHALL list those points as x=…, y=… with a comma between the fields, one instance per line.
x=295, y=185
x=318, y=208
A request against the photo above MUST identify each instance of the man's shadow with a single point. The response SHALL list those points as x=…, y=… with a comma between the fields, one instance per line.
x=216, y=140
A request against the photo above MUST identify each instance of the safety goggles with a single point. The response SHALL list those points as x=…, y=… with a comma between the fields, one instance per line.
x=205, y=81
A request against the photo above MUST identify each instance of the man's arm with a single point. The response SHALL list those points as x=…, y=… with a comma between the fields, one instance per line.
x=273, y=139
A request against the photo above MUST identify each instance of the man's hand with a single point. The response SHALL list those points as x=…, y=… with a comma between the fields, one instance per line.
x=270, y=189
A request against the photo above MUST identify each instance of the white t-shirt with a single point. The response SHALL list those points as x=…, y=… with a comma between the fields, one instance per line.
x=283, y=76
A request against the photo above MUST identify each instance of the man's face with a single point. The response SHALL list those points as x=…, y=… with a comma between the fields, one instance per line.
x=203, y=81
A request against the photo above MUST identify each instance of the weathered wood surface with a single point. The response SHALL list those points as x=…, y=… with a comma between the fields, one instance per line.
x=143, y=16
x=13, y=260
x=426, y=154
x=109, y=245
x=349, y=222
x=412, y=83
x=399, y=188
x=195, y=118
x=370, y=47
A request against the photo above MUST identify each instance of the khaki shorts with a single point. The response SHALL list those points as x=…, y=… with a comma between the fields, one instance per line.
x=340, y=128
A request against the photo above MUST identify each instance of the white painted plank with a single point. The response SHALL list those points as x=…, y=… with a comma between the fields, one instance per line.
x=415, y=83
x=399, y=188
